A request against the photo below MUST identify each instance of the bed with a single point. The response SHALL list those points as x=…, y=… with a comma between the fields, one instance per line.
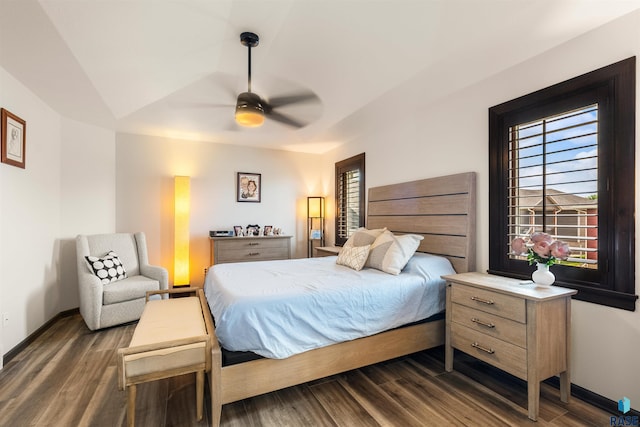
x=442, y=210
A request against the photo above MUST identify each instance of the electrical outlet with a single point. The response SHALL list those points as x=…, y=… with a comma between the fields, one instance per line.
x=5, y=319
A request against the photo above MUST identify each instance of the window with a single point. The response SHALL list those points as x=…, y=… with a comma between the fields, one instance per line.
x=562, y=161
x=349, y=197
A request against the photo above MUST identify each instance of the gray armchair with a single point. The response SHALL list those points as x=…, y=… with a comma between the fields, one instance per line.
x=105, y=304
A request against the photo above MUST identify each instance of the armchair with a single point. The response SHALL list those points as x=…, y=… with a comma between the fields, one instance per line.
x=120, y=301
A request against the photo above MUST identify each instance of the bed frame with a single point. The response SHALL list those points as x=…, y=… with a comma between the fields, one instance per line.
x=443, y=210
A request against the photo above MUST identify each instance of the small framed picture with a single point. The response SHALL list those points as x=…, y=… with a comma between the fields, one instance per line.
x=13, y=130
x=316, y=235
x=268, y=230
x=237, y=229
x=249, y=187
x=252, y=230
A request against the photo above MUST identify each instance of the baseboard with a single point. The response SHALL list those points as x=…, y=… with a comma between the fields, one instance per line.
x=594, y=399
x=6, y=358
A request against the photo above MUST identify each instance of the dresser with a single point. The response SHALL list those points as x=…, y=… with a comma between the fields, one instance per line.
x=242, y=249
x=521, y=329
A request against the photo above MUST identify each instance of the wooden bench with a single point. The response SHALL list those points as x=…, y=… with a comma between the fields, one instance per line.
x=173, y=337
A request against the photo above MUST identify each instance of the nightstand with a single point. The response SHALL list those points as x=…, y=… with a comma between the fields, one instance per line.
x=522, y=329
x=327, y=250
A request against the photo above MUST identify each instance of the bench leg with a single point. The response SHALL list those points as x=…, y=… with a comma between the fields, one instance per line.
x=131, y=405
x=199, y=393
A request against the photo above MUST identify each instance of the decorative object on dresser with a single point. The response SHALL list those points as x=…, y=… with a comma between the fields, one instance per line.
x=249, y=248
x=13, y=139
x=315, y=223
x=519, y=328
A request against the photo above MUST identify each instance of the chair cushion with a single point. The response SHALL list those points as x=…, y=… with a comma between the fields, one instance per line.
x=108, y=268
x=128, y=289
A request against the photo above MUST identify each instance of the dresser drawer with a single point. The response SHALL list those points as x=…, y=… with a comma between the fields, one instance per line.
x=247, y=243
x=490, y=324
x=508, y=357
x=252, y=254
x=507, y=306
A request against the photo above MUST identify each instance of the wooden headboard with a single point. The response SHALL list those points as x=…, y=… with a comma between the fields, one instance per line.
x=442, y=209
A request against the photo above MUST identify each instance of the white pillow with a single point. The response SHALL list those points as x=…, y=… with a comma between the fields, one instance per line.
x=390, y=253
x=363, y=237
x=353, y=257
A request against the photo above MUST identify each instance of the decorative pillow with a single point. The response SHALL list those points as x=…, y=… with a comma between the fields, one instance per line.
x=109, y=268
x=390, y=253
x=363, y=237
x=353, y=257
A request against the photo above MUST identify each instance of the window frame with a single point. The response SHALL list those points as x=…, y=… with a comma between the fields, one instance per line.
x=352, y=163
x=614, y=285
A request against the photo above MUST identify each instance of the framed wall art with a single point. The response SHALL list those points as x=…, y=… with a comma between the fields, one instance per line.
x=249, y=187
x=13, y=130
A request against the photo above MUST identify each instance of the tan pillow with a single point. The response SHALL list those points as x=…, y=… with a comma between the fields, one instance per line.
x=353, y=257
x=390, y=253
x=363, y=237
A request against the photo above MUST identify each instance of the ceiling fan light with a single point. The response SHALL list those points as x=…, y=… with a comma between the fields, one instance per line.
x=249, y=110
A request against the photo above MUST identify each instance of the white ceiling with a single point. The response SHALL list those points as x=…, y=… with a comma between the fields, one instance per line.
x=174, y=68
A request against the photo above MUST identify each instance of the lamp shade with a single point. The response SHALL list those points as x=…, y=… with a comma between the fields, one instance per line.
x=315, y=207
x=249, y=110
x=182, y=207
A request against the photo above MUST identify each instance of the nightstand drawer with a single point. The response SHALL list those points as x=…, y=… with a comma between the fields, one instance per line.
x=490, y=302
x=490, y=324
x=508, y=357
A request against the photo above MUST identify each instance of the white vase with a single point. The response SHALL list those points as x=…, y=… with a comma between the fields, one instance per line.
x=542, y=276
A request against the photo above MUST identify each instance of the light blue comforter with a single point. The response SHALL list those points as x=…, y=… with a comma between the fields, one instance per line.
x=280, y=308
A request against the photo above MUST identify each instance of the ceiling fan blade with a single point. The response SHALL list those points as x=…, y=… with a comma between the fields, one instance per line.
x=286, y=120
x=198, y=105
x=280, y=101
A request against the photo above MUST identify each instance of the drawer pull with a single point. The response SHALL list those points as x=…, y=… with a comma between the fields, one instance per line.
x=479, y=347
x=254, y=253
x=482, y=300
x=253, y=243
x=480, y=322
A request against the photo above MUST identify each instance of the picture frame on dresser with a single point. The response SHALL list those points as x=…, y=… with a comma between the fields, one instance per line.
x=249, y=187
x=237, y=229
x=13, y=139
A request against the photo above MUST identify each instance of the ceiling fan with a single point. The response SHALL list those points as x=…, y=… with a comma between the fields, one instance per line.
x=251, y=109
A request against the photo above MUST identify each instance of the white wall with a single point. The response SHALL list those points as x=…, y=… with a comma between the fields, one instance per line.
x=30, y=211
x=67, y=188
x=451, y=135
x=88, y=196
x=147, y=165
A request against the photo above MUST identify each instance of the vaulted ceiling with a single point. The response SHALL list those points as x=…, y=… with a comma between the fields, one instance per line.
x=174, y=68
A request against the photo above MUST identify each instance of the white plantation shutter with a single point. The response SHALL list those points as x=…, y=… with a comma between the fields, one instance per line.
x=553, y=181
x=350, y=197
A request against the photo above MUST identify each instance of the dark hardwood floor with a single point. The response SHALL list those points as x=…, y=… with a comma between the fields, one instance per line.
x=67, y=377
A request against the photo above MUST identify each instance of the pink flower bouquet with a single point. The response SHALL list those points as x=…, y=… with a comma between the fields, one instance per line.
x=541, y=248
